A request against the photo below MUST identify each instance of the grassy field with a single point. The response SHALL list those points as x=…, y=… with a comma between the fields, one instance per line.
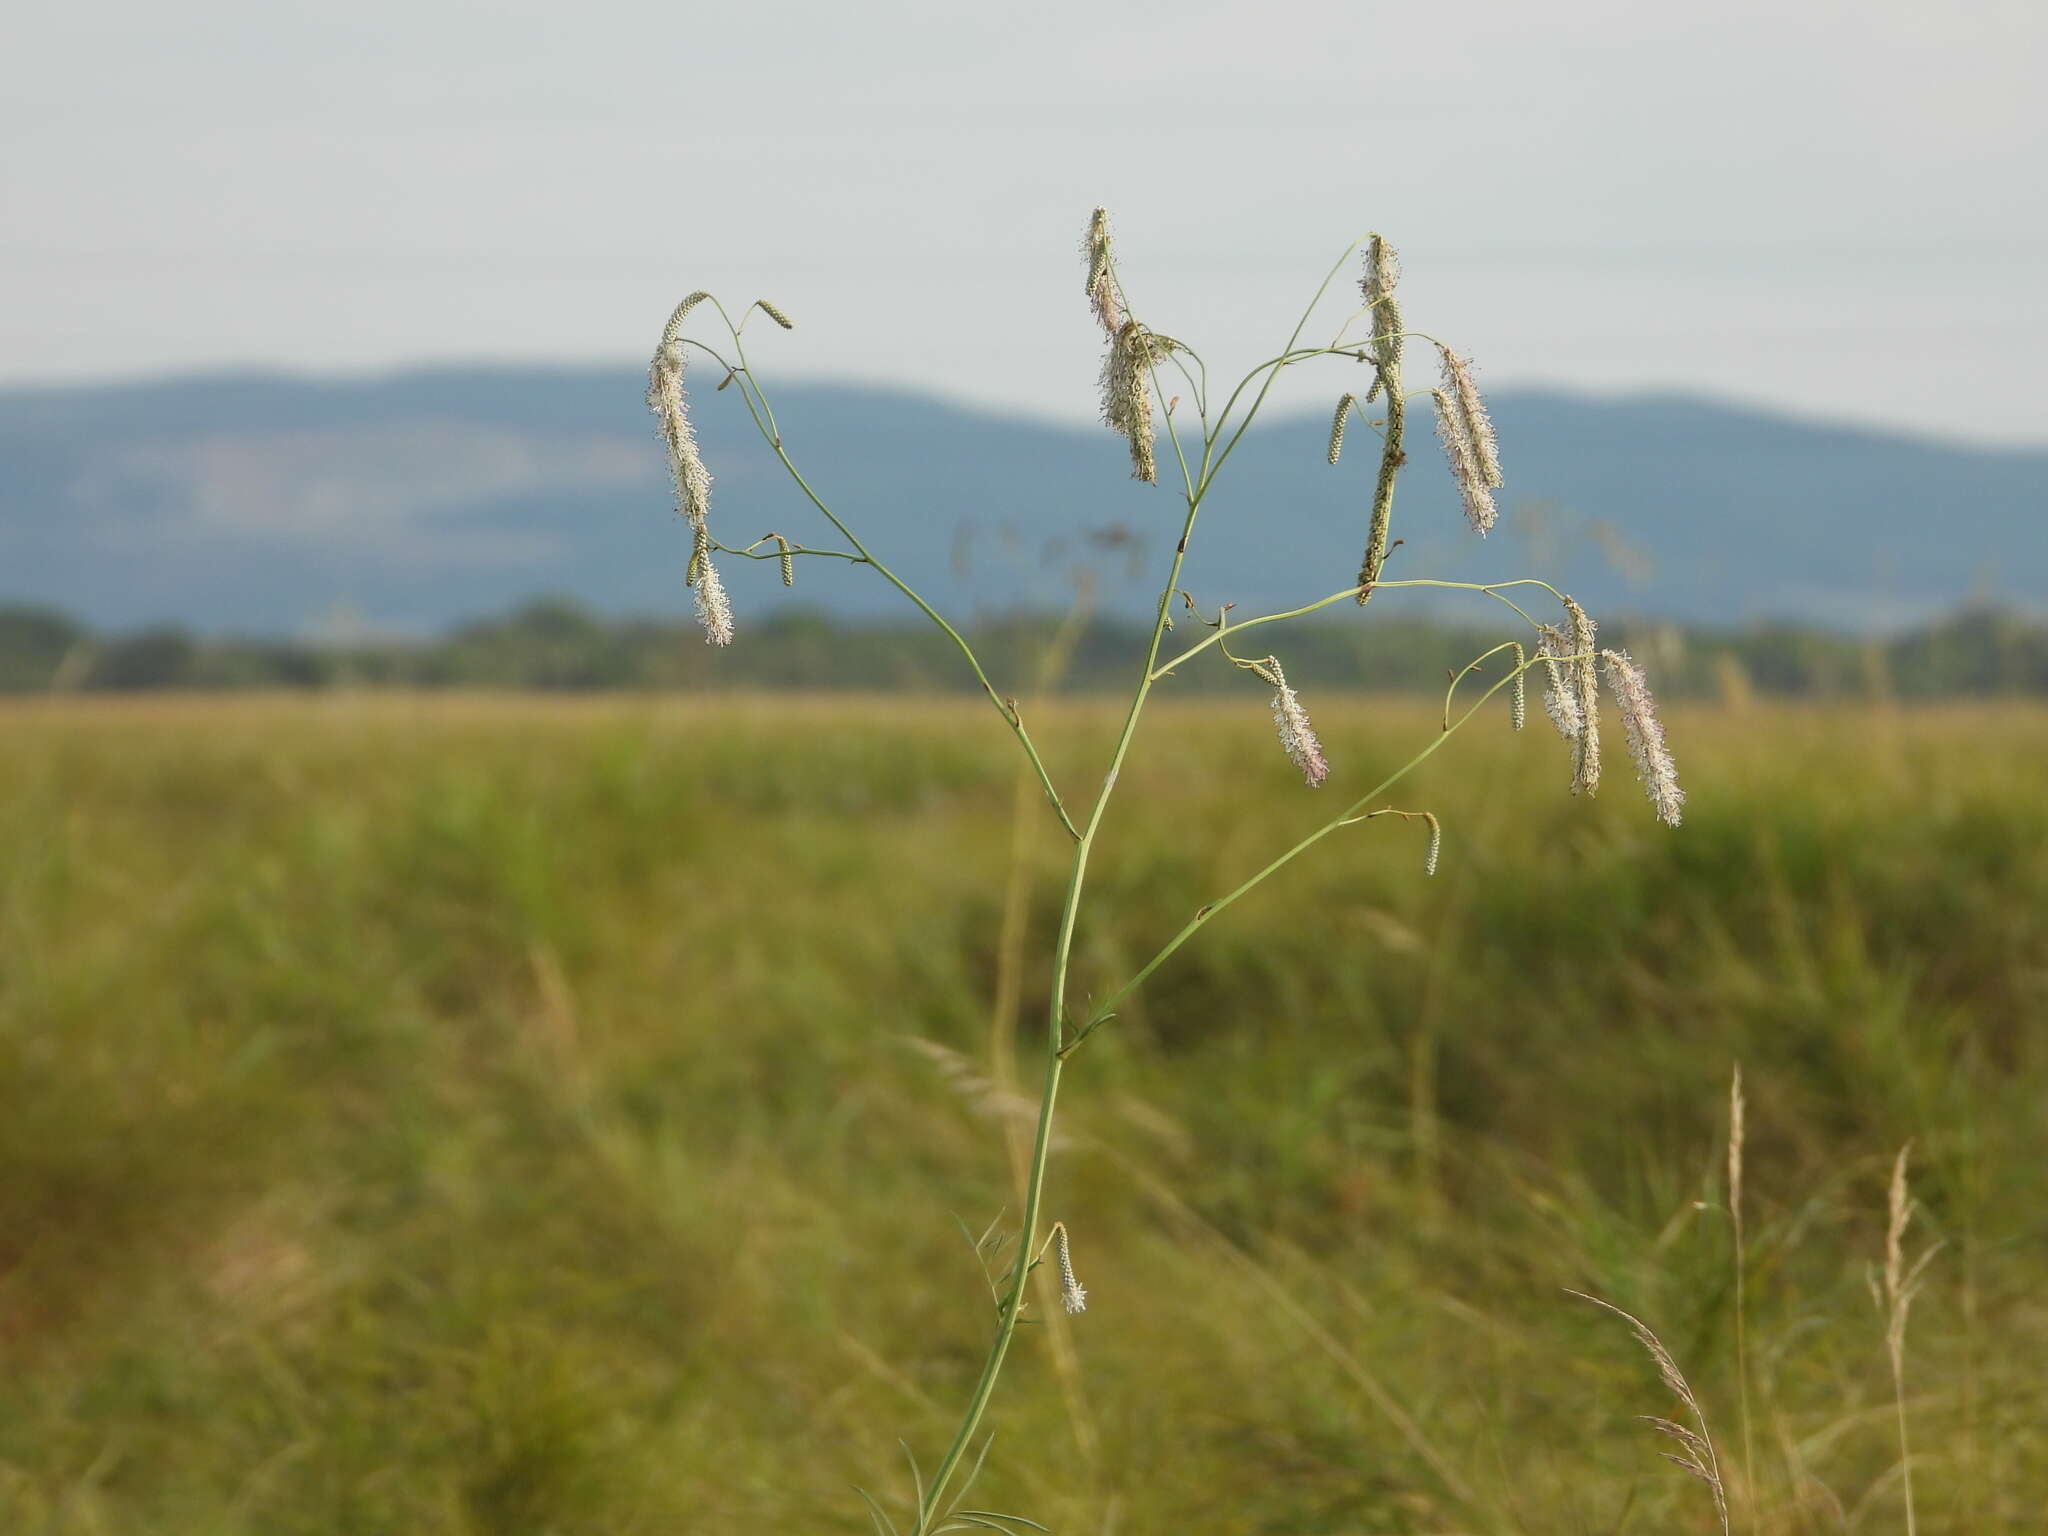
x=543, y=1116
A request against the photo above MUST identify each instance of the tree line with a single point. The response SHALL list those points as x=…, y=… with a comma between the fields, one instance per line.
x=555, y=644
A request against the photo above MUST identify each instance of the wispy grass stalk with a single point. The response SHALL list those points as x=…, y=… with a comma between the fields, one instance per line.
x=1737, y=1137
x=1696, y=1453
x=1894, y=1288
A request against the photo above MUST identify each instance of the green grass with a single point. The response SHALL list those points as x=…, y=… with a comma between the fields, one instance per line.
x=500, y=1116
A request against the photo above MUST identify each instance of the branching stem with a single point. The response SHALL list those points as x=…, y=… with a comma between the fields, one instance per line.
x=1219, y=439
x=1056, y=1044
x=764, y=422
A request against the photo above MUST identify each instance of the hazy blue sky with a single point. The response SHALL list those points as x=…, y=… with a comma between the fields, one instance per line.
x=1832, y=204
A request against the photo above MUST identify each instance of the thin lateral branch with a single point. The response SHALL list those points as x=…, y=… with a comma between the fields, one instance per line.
x=1293, y=352
x=1224, y=629
x=749, y=551
x=1473, y=666
x=1490, y=589
x=1203, y=914
x=1435, y=848
x=763, y=415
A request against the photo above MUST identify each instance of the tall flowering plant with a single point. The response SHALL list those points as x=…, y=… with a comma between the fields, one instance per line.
x=1563, y=653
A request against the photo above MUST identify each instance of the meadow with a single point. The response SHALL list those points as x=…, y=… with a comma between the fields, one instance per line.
x=545, y=1115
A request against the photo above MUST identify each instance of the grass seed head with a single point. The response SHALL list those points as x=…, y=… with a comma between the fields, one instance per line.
x=1337, y=424
x=1737, y=1115
x=1382, y=269
x=665, y=398
x=1072, y=1295
x=1388, y=333
x=1699, y=1458
x=1101, y=286
x=1485, y=449
x=1297, y=736
x=1455, y=434
x=672, y=332
x=1654, y=765
x=714, y=608
x=1579, y=635
x=1560, y=697
x=1127, y=392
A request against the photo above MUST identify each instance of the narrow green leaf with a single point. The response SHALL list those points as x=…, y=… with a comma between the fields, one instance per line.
x=884, y=1526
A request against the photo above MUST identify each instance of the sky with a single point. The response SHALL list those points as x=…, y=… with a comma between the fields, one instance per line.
x=1829, y=206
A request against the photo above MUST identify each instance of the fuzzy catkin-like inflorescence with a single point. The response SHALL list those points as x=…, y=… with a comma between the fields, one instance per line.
x=1455, y=434
x=774, y=314
x=1101, y=287
x=1382, y=272
x=788, y=561
x=1127, y=392
x=1072, y=1296
x=1485, y=449
x=666, y=399
x=1518, y=699
x=1646, y=745
x=1560, y=702
x=1338, y=423
x=714, y=608
x=1382, y=269
x=1297, y=736
x=1387, y=338
x=1585, y=696
x=1436, y=842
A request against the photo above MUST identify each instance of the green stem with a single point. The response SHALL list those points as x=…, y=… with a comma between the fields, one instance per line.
x=1055, y=1045
x=1034, y=1188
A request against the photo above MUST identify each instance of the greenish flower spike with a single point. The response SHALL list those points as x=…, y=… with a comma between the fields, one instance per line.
x=1382, y=269
x=1392, y=457
x=1436, y=842
x=1127, y=392
x=674, y=329
x=1101, y=286
x=774, y=314
x=1382, y=272
x=1338, y=423
x=1387, y=336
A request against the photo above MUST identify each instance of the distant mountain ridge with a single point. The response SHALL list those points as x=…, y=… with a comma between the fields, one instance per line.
x=276, y=504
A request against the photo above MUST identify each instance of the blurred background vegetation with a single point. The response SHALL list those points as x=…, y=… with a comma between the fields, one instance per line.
x=491, y=1115
x=557, y=644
